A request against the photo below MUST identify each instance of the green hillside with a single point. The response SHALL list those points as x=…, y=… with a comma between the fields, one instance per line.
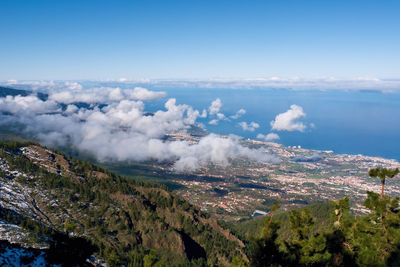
x=124, y=220
x=314, y=237
x=321, y=212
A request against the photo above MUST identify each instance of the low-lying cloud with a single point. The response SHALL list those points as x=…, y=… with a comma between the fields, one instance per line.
x=44, y=85
x=289, y=120
x=296, y=83
x=213, y=148
x=252, y=126
x=27, y=104
x=105, y=95
x=322, y=83
x=238, y=114
x=122, y=130
x=214, y=111
x=268, y=137
x=215, y=106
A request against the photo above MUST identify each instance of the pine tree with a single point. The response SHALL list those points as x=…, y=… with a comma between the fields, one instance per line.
x=266, y=248
x=382, y=174
x=337, y=241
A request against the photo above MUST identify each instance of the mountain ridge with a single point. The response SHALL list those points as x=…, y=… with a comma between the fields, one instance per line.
x=121, y=218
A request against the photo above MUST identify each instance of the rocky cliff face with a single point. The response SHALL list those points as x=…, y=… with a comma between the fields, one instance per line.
x=65, y=210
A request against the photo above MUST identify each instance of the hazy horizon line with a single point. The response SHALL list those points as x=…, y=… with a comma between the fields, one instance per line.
x=356, y=83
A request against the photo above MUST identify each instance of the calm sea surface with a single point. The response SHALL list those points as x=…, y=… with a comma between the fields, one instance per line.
x=352, y=122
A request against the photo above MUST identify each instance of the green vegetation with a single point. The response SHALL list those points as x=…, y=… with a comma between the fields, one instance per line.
x=369, y=240
x=128, y=222
x=63, y=249
x=135, y=223
x=382, y=174
x=321, y=213
x=144, y=172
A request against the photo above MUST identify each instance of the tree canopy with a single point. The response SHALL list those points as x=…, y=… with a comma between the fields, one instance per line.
x=382, y=174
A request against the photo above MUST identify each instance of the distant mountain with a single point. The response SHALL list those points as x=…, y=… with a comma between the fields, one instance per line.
x=5, y=91
x=56, y=209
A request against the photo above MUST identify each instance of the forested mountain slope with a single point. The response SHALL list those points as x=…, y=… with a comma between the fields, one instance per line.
x=70, y=210
x=321, y=213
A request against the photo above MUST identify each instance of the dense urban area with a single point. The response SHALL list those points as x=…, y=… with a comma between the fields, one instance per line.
x=244, y=188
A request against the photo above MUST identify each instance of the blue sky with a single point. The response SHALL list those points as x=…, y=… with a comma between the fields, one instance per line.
x=55, y=40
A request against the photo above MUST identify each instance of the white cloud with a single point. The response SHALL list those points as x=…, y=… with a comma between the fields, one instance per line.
x=221, y=116
x=214, y=109
x=213, y=122
x=203, y=114
x=215, y=106
x=122, y=130
x=289, y=120
x=46, y=85
x=140, y=93
x=249, y=127
x=321, y=83
x=71, y=109
x=104, y=95
x=238, y=114
x=23, y=104
x=213, y=148
x=73, y=86
x=268, y=137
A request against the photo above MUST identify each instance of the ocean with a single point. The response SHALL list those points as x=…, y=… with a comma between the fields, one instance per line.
x=346, y=122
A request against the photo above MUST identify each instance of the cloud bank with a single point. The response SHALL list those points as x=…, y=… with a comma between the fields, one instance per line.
x=122, y=130
x=319, y=83
x=105, y=95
